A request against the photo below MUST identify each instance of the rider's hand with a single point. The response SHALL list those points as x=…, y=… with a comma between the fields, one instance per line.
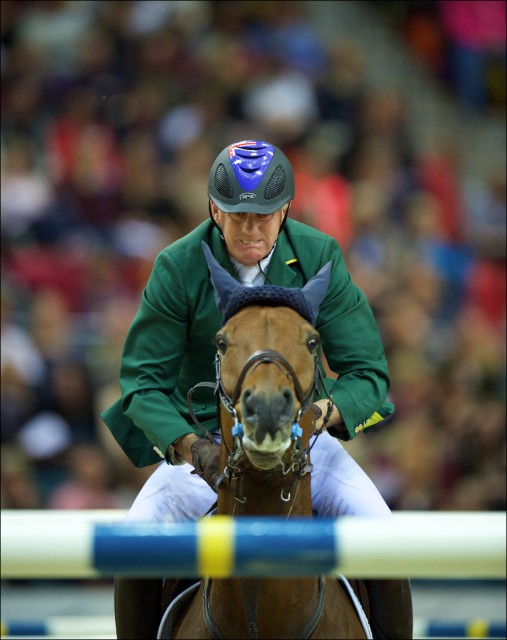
x=323, y=419
x=316, y=417
x=206, y=461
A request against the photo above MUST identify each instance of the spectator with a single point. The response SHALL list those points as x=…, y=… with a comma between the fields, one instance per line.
x=476, y=35
x=90, y=484
x=22, y=369
x=19, y=488
x=485, y=230
x=324, y=197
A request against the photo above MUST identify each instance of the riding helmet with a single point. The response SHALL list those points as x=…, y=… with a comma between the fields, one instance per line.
x=251, y=176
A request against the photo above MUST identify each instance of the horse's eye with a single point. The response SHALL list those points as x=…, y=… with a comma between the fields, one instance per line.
x=221, y=344
x=313, y=344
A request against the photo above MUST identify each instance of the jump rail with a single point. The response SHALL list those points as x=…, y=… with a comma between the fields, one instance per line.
x=96, y=544
x=103, y=626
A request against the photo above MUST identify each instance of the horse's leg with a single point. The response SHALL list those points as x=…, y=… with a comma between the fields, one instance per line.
x=390, y=608
x=137, y=603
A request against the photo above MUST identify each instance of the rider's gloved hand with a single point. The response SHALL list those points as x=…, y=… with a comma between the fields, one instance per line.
x=321, y=413
x=316, y=414
x=206, y=461
x=325, y=415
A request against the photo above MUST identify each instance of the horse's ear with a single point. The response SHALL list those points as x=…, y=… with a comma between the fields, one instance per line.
x=223, y=283
x=315, y=289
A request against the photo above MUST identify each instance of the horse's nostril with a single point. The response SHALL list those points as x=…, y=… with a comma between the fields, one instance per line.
x=288, y=408
x=288, y=396
x=248, y=403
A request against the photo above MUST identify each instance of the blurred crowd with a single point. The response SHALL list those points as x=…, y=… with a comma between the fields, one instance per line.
x=112, y=113
x=460, y=42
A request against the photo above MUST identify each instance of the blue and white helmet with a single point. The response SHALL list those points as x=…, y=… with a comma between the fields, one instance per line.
x=251, y=176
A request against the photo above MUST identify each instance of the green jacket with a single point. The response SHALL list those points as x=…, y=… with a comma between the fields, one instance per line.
x=169, y=346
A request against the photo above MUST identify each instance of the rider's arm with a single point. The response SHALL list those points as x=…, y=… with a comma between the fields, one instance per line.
x=354, y=352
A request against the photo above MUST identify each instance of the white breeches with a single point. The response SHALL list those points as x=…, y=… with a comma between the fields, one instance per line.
x=339, y=487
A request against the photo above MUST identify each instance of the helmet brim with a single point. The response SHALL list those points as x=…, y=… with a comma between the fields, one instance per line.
x=249, y=206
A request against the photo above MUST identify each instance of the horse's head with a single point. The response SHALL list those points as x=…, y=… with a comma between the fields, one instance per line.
x=267, y=353
x=268, y=357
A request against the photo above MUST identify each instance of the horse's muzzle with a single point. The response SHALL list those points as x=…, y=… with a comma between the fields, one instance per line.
x=268, y=415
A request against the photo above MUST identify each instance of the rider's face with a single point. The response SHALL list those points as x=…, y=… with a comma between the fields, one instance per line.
x=249, y=236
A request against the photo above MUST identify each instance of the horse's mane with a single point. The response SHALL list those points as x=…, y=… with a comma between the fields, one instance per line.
x=269, y=295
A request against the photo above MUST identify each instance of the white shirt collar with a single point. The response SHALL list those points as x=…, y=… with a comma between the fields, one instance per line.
x=252, y=276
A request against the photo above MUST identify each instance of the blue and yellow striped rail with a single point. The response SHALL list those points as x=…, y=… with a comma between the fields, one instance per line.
x=66, y=544
x=103, y=626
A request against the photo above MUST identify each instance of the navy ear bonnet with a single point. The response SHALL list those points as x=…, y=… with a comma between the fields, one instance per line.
x=231, y=296
x=269, y=295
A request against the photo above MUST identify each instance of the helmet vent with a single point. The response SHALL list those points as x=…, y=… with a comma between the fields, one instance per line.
x=223, y=183
x=276, y=184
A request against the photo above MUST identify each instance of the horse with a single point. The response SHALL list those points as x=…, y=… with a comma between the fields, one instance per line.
x=267, y=370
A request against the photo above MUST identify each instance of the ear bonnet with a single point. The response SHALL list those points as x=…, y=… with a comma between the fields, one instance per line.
x=231, y=296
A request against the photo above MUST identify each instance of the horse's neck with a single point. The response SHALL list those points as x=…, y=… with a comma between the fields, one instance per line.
x=276, y=606
x=252, y=492
x=261, y=494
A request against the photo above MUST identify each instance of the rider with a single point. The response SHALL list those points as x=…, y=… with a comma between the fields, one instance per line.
x=169, y=349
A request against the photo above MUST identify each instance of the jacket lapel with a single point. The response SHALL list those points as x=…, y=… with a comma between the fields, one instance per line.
x=280, y=271
x=219, y=251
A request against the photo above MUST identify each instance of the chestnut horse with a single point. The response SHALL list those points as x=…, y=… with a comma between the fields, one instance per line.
x=267, y=372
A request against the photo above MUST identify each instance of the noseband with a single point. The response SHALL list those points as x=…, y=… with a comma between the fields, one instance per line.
x=261, y=357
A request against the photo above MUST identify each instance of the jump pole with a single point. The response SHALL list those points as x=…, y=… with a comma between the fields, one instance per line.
x=63, y=544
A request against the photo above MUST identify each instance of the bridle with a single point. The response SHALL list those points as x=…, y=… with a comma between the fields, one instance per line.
x=299, y=460
x=228, y=401
x=263, y=356
x=299, y=465
x=257, y=358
